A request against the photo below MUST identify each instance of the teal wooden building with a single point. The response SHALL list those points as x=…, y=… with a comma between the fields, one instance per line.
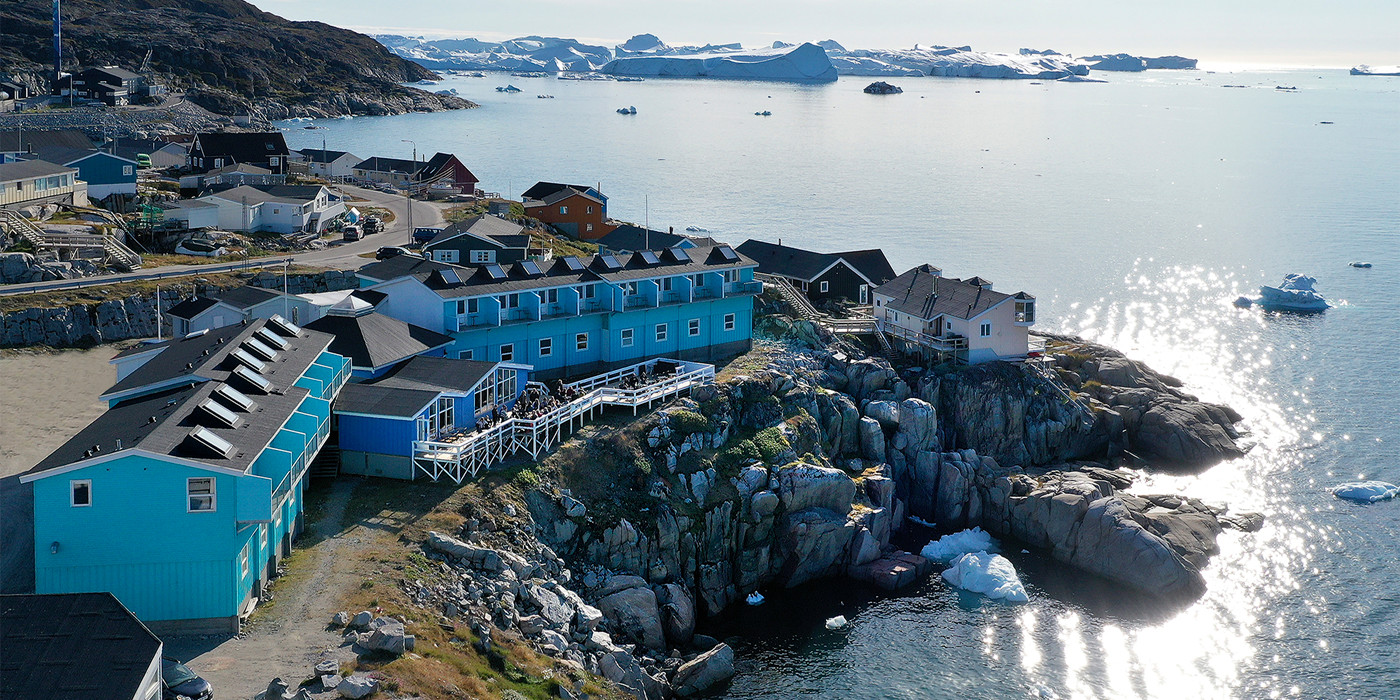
x=185, y=494
x=574, y=316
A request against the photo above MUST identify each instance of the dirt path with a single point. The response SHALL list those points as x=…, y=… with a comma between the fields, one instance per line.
x=285, y=639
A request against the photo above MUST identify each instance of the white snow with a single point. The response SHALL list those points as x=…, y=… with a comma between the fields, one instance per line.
x=958, y=62
x=836, y=623
x=1296, y=293
x=1364, y=69
x=949, y=547
x=805, y=63
x=1366, y=491
x=754, y=598
x=989, y=574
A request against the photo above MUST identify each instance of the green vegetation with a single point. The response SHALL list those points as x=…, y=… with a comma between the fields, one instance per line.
x=684, y=423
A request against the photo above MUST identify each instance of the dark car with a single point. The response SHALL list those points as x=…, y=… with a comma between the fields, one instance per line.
x=391, y=251
x=423, y=234
x=178, y=682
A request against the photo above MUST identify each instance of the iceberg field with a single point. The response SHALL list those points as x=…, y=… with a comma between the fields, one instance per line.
x=989, y=574
x=805, y=63
x=949, y=547
x=1366, y=491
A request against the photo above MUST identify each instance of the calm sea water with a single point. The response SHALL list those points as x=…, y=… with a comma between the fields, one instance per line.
x=1135, y=211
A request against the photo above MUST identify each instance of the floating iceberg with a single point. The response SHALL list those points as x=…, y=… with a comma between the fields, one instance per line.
x=1295, y=294
x=1361, y=264
x=1116, y=62
x=952, y=62
x=989, y=574
x=508, y=88
x=881, y=87
x=950, y=547
x=1364, y=69
x=531, y=53
x=805, y=63
x=754, y=598
x=836, y=623
x=1366, y=491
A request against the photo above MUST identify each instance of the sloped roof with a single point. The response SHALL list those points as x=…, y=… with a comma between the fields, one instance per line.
x=408, y=388
x=561, y=195
x=504, y=234
x=923, y=293
x=542, y=189
x=374, y=340
x=872, y=263
x=317, y=155
x=36, y=140
x=389, y=165
x=243, y=147
x=803, y=264
x=632, y=238
x=28, y=169
x=75, y=646
x=403, y=266
x=247, y=296
x=190, y=308
x=255, y=195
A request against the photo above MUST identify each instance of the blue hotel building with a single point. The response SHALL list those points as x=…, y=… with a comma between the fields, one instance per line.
x=574, y=316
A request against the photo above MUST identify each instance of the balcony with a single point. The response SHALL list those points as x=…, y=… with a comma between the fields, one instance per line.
x=674, y=298
x=555, y=311
x=518, y=316
x=475, y=321
x=637, y=302
x=589, y=306
x=705, y=293
x=750, y=287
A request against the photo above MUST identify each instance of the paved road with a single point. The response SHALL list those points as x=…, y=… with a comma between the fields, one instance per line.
x=338, y=255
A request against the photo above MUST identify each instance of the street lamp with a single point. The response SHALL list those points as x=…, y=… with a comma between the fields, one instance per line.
x=408, y=191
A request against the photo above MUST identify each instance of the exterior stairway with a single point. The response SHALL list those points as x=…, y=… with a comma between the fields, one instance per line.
x=113, y=250
x=1057, y=385
x=327, y=463
x=796, y=299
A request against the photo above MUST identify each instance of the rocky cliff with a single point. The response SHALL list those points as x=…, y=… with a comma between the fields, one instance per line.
x=227, y=55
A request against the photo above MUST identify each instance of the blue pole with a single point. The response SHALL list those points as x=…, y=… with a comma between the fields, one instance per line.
x=57, y=45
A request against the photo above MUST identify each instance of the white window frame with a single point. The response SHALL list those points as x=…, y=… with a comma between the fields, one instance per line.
x=626, y=338
x=213, y=494
x=665, y=284
x=826, y=287
x=127, y=170
x=662, y=332
x=507, y=352
x=546, y=347
x=447, y=255
x=986, y=329
x=262, y=536
x=483, y=256
x=563, y=210
x=466, y=355
x=588, y=227
x=729, y=322
x=581, y=341
x=72, y=488
x=693, y=326
x=243, y=566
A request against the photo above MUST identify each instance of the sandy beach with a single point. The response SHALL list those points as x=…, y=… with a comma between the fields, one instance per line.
x=46, y=397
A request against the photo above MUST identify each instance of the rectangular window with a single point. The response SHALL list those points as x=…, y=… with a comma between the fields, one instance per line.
x=986, y=329
x=243, y=562
x=508, y=352
x=201, y=494
x=563, y=210
x=461, y=307
x=665, y=284
x=588, y=227
x=630, y=288
x=825, y=286
x=262, y=536
x=590, y=211
x=448, y=256
x=126, y=170
x=466, y=355
x=588, y=291
x=546, y=347
x=661, y=332
x=483, y=256
x=581, y=342
x=694, y=327
x=729, y=322
x=550, y=296
x=80, y=493
x=627, y=337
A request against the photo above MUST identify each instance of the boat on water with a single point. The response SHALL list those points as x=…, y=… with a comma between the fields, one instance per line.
x=1295, y=294
x=1360, y=264
x=544, y=97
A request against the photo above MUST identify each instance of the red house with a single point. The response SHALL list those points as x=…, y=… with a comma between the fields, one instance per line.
x=577, y=210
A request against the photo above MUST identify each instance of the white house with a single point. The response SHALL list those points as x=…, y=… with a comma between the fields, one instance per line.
x=329, y=164
x=963, y=320
x=276, y=208
x=193, y=213
x=231, y=306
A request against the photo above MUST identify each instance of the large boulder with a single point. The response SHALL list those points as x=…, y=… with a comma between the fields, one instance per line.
x=1189, y=435
x=634, y=614
x=704, y=671
x=622, y=668
x=804, y=486
x=817, y=542
x=677, y=614
x=1112, y=544
x=355, y=687
x=387, y=635
x=872, y=440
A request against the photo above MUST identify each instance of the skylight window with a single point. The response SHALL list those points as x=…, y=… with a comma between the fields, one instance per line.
x=258, y=382
x=235, y=398
x=494, y=271
x=678, y=254
x=260, y=349
x=609, y=262
x=530, y=268
x=248, y=360
x=572, y=263
x=727, y=253
x=217, y=411
x=212, y=442
x=272, y=339
x=450, y=277
x=284, y=327
x=648, y=257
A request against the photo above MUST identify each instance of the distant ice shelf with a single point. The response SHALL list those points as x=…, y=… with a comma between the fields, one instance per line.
x=807, y=63
x=1364, y=69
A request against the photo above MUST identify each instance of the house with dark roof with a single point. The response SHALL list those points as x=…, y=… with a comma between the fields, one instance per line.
x=847, y=276
x=214, y=150
x=276, y=208
x=233, y=306
x=232, y=175
x=577, y=316
x=480, y=240
x=28, y=183
x=443, y=172
x=76, y=646
x=112, y=85
x=328, y=164
x=374, y=342
x=627, y=238
x=163, y=154
x=29, y=142
x=964, y=320
x=386, y=421
x=576, y=210
x=182, y=498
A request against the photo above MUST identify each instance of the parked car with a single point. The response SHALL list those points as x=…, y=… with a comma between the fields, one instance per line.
x=391, y=251
x=351, y=233
x=178, y=681
x=143, y=160
x=373, y=225
x=423, y=234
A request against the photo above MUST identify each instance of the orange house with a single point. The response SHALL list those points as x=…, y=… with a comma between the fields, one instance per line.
x=576, y=210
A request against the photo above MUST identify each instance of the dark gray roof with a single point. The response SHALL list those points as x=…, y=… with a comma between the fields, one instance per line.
x=923, y=293
x=73, y=646
x=403, y=266
x=542, y=189
x=119, y=73
x=788, y=261
x=631, y=238
x=247, y=296
x=241, y=147
x=30, y=140
x=497, y=231
x=374, y=340
x=27, y=169
x=390, y=165
x=317, y=155
x=411, y=386
x=190, y=308
x=561, y=195
x=252, y=194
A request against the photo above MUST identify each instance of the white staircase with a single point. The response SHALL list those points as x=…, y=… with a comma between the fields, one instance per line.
x=795, y=298
x=113, y=250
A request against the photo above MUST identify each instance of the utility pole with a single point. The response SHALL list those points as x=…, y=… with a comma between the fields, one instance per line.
x=408, y=192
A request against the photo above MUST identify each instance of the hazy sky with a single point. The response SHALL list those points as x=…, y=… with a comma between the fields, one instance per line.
x=1270, y=32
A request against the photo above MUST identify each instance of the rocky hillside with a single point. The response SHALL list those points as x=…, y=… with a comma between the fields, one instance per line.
x=229, y=56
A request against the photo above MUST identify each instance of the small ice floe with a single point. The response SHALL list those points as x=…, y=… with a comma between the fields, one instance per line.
x=837, y=623
x=1366, y=491
x=949, y=547
x=921, y=521
x=1296, y=294
x=1025, y=551
x=1361, y=264
x=764, y=113
x=627, y=110
x=989, y=574
x=754, y=598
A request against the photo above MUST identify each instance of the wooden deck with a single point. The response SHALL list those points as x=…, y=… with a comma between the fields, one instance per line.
x=464, y=457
